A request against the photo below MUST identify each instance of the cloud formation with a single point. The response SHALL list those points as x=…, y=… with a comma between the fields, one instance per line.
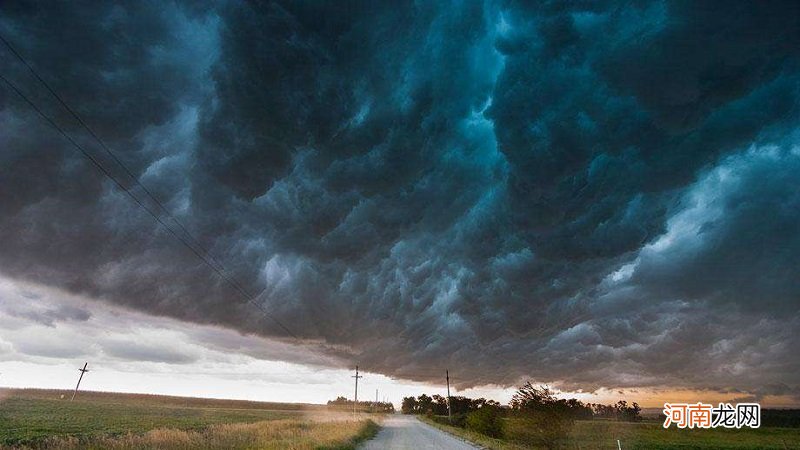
x=597, y=195
x=116, y=338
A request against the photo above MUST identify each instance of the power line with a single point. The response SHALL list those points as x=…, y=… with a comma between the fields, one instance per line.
x=205, y=259
x=105, y=172
x=105, y=147
x=102, y=143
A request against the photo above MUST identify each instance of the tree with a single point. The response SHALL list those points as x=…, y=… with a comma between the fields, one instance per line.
x=628, y=413
x=343, y=403
x=339, y=401
x=530, y=398
x=547, y=420
x=439, y=405
x=604, y=411
x=424, y=404
x=409, y=405
x=485, y=421
x=620, y=411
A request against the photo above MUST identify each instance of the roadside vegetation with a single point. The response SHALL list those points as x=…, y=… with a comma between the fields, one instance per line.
x=536, y=419
x=648, y=434
x=43, y=419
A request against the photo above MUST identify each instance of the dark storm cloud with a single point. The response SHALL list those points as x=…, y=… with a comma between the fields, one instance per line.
x=589, y=194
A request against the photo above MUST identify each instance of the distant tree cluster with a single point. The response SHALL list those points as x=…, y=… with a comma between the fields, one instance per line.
x=437, y=405
x=619, y=411
x=378, y=407
x=530, y=398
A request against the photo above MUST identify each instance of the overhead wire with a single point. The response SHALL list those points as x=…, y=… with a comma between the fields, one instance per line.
x=203, y=254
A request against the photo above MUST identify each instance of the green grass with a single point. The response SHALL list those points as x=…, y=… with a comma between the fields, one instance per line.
x=289, y=434
x=367, y=432
x=601, y=434
x=28, y=417
x=586, y=434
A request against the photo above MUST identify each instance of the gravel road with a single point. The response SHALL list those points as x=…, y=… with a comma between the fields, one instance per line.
x=407, y=433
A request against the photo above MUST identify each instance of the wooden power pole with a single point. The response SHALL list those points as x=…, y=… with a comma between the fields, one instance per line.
x=355, y=403
x=449, y=412
x=82, y=371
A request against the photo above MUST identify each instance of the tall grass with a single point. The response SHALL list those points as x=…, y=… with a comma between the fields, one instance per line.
x=268, y=435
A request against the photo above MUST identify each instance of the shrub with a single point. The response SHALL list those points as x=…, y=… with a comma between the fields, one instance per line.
x=459, y=420
x=485, y=421
x=440, y=419
x=548, y=429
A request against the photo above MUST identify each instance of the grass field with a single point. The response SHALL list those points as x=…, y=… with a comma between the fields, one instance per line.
x=601, y=434
x=40, y=418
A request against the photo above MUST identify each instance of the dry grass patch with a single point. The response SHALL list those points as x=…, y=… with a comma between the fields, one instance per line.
x=267, y=435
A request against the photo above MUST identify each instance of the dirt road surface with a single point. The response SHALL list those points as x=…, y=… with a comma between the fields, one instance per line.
x=401, y=432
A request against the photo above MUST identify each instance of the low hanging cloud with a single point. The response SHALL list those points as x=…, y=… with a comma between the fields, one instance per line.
x=596, y=196
x=117, y=338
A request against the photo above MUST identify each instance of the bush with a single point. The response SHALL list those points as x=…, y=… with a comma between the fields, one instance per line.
x=459, y=420
x=439, y=419
x=548, y=429
x=485, y=421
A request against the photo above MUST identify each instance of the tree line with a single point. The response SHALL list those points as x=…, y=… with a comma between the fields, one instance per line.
x=537, y=416
x=528, y=398
x=531, y=398
x=437, y=405
x=344, y=403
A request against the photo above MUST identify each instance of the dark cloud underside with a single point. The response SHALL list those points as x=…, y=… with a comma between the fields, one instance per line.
x=595, y=194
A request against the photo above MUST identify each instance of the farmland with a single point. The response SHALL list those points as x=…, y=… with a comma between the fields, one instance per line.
x=42, y=418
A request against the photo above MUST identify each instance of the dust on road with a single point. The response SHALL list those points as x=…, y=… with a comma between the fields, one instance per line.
x=401, y=432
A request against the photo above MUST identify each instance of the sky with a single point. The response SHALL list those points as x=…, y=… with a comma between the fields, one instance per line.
x=597, y=196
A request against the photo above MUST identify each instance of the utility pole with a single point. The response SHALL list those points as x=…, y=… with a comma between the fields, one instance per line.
x=449, y=412
x=376, y=400
x=82, y=371
x=355, y=403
